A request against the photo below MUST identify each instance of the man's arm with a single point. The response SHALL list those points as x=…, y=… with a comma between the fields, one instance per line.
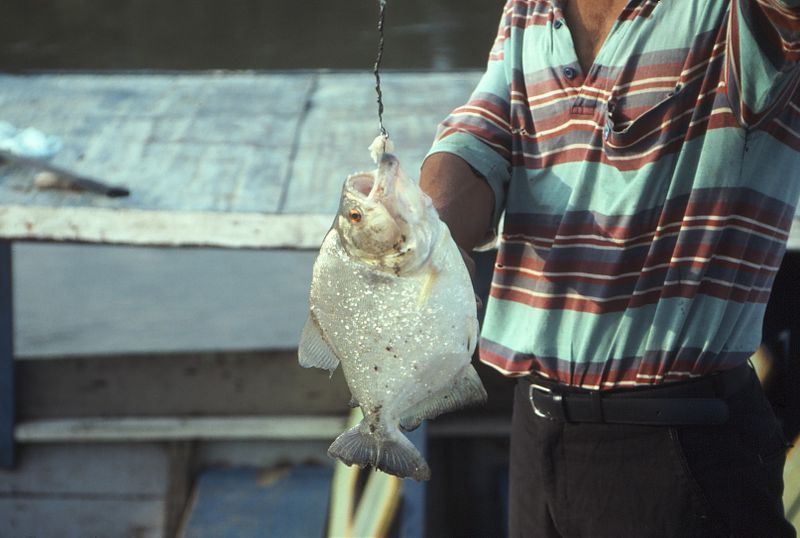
x=463, y=199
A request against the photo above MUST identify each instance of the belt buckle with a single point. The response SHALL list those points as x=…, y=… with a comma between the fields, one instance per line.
x=545, y=390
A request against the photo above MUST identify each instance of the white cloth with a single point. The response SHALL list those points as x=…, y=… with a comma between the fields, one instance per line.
x=29, y=142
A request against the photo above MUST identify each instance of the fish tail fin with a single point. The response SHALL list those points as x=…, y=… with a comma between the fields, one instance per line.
x=393, y=453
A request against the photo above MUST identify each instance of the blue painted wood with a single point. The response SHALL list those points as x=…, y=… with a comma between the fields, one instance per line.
x=412, y=510
x=246, y=502
x=7, y=396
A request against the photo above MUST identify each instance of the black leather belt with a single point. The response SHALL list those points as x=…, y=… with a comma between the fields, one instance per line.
x=694, y=402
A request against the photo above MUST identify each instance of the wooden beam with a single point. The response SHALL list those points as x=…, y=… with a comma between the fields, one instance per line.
x=174, y=428
x=163, y=228
x=276, y=428
x=229, y=384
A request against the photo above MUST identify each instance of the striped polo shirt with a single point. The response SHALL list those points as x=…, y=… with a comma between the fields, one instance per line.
x=647, y=201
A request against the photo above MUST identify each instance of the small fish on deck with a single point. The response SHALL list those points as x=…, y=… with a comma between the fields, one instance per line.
x=392, y=301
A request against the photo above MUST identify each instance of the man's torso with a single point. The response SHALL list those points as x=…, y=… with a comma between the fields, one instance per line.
x=647, y=205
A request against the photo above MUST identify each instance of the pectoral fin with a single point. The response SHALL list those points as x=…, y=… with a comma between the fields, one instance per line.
x=313, y=350
x=427, y=286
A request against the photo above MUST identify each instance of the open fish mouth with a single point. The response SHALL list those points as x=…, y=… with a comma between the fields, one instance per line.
x=362, y=183
x=376, y=183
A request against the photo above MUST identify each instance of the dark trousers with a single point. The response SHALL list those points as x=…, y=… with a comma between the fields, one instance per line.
x=611, y=480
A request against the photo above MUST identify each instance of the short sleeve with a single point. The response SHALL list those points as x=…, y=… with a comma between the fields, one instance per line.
x=479, y=131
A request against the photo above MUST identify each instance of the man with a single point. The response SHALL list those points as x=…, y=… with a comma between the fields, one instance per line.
x=645, y=155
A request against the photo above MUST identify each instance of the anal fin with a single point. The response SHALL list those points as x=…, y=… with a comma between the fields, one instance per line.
x=466, y=392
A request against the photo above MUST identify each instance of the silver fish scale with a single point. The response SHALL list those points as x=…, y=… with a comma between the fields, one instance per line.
x=395, y=349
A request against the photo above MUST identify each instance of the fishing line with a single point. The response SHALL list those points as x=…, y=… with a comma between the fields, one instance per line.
x=377, y=68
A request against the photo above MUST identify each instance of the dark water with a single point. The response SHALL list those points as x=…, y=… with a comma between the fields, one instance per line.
x=243, y=34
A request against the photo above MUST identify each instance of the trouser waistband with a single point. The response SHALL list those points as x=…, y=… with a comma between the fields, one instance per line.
x=693, y=402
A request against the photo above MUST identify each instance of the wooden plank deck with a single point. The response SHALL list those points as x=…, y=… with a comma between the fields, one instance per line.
x=213, y=159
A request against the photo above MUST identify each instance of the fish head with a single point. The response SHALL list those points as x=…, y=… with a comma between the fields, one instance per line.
x=385, y=220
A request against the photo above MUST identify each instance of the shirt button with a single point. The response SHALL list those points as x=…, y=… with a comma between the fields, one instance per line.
x=569, y=73
x=558, y=24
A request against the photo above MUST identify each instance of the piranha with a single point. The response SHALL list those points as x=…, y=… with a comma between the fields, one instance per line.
x=392, y=301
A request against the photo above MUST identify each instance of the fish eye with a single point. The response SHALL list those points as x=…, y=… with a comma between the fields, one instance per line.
x=355, y=215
